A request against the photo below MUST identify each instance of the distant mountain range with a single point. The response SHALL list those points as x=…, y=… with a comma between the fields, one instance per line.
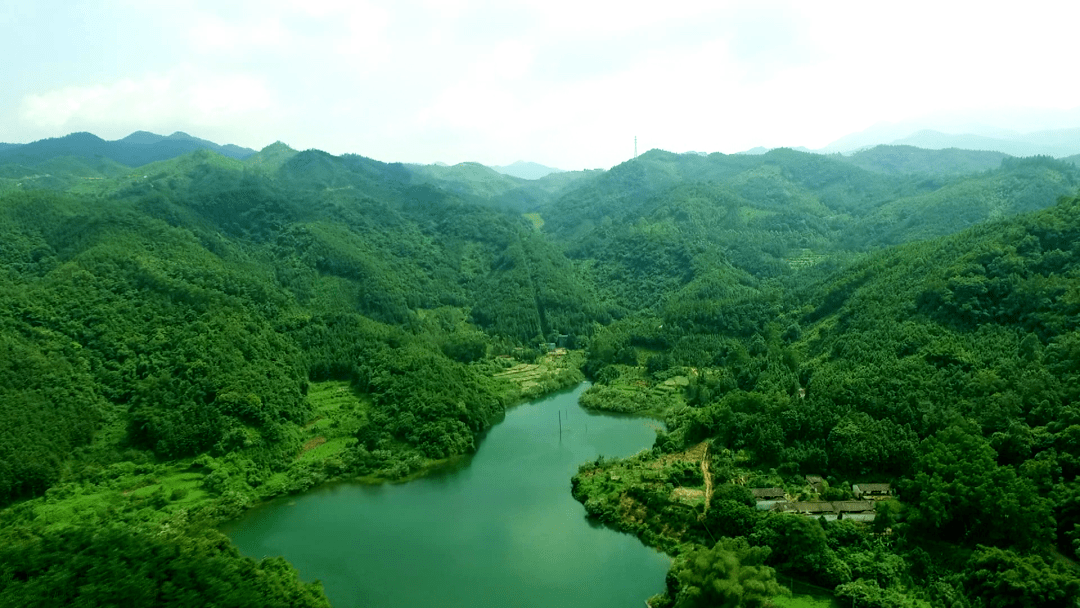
x=135, y=150
x=763, y=150
x=886, y=147
x=1055, y=142
x=1058, y=143
x=526, y=170
x=901, y=160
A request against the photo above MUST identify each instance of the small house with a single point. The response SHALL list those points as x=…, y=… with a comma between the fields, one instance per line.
x=873, y=491
x=855, y=510
x=809, y=508
x=771, y=505
x=767, y=493
x=768, y=499
x=853, y=506
x=817, y=482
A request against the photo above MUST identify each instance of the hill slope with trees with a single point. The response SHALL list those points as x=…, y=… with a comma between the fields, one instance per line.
x=944, y=367
x=173, y=334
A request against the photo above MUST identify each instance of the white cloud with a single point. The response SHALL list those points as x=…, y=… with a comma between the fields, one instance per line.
x=565, y=82
x=215, y=35
x=181, y=98
x=365, y=32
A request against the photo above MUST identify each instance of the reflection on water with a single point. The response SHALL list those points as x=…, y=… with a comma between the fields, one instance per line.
x=497, y=529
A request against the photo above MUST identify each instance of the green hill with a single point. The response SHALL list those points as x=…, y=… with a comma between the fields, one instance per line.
x=909, y=159
x=477, y=183
x=272, y=157
x=135, y=150
x=1020, y=185
x=172, y=333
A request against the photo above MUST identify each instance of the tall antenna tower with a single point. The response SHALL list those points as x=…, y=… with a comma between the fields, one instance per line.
x=635, y=146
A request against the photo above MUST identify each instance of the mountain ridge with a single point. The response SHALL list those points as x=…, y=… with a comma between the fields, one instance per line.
x=139, y=148
x=525, y=170
x=1058, y=142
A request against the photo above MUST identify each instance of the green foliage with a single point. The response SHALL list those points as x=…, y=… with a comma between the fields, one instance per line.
x=868, y=593
x=799, y=545
x=120, y=565
x=960, y=493
x=181, y=312
x=911, y=160
x=730, y=574
x=1001, y=578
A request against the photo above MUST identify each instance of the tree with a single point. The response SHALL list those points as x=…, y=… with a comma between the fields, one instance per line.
x=1007, y=579
x=960, y=493
x=799, y=545
x=730, y=574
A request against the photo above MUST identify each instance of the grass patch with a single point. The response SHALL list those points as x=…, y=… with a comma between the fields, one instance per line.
x=556, y=370
x=537, y=221
x=634, y=392
x=803, y=600
x=804, y=595
x=749, y=214
x=340, y=411
x=327, y=449
x=334, y=396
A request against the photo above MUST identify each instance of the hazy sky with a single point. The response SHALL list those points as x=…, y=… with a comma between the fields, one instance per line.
x=567, y=83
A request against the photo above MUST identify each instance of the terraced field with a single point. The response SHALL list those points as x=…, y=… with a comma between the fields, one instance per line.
x=339, y=413
x=558, y=369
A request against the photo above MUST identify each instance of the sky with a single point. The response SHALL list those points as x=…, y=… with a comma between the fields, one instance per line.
x=565, y=83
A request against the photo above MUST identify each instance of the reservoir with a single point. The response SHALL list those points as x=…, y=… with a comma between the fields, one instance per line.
x=500, y=529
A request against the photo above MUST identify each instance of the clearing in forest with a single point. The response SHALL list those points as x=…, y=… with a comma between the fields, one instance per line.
x=530, y=377
x=340, y=411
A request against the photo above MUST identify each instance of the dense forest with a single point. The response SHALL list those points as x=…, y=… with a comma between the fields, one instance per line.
x=186, y=332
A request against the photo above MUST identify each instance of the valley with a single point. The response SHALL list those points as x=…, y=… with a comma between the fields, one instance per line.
x=204, y=331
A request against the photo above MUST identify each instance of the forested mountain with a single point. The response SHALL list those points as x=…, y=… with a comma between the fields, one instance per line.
x=947, y=367
x=135, y=150
x=486, y=185
x=661, y=221
x=526, y=170
x=1060, y=142
x=238, y=253
x=969, y=136
x=909, y=159
x=183, y=310
x=1021, y=184
x=171, y=333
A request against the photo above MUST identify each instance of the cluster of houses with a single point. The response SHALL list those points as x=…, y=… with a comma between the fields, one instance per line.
x=860, y=509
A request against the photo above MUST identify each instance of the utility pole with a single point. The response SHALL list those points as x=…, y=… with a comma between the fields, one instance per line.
x=635, y=146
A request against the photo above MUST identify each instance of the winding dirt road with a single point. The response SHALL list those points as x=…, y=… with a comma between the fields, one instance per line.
x=708, y=480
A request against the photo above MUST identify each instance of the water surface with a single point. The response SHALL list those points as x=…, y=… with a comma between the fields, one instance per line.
x=500, y=530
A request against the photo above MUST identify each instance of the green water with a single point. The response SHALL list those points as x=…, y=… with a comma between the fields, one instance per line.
x=500, y=530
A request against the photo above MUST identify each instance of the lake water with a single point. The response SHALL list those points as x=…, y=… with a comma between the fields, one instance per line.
x=499, y=530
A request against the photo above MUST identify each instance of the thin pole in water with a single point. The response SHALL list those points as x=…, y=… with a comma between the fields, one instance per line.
x=560, y=425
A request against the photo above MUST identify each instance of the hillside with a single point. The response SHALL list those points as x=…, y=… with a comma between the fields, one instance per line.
x=1059, y=142
x=135, y=150
x=487, y=185
x=153, y=318
x=202, y=237
x=946, y=368
x=903, y=160
x=1049, y=143
x=660, y=222
x=203, y=332
x=526, y=170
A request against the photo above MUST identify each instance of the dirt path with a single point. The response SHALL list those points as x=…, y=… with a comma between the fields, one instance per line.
x=708, y=479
